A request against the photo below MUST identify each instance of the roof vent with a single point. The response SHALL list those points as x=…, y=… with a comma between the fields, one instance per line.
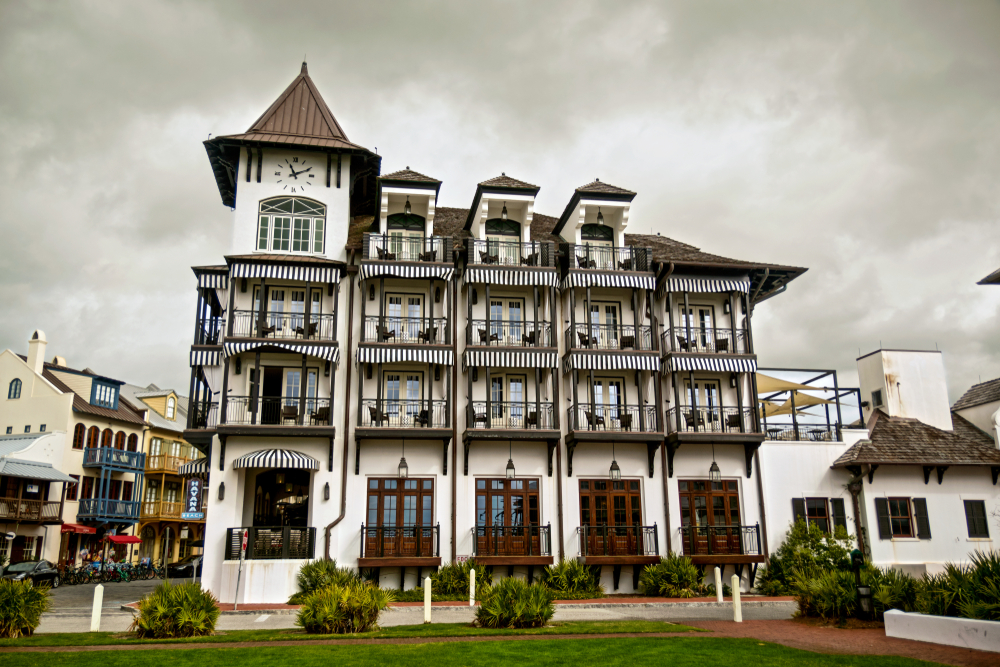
x=59, y=361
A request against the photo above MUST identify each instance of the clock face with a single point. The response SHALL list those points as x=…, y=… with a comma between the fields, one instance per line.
x=295, y=174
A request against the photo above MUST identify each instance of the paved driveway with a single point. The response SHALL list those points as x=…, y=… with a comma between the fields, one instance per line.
x=80, y=599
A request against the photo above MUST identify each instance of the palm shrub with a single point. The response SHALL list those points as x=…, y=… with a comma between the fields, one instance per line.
x=182, y=610
x=891, y=589
x=571, y=580
x=805, y=552
x=830, y=594
x=320, y=574
x=970, y=591
x=513, y=603
x=344, y=608
x=21, y=607
x=673, y=577
x=453, y=578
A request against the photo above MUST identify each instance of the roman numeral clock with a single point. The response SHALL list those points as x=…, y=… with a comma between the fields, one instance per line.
x=294, y=174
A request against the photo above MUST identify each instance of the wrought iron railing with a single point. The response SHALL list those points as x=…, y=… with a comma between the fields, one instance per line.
x=688, y=419
x=18, y=509
x=400, y=541
x=512, y=540
x=622, y=418
x=706, y=340
x=512, y=253
x=278, y=411
x=406, y=330
x=398, y=248
x=721, y=540
x=272, y=543
x=403, y=413
x=209, y=330
x=632, y=540
x=509, y=333
x=511, y=415
x=610, y=337
x=100, y=508
x=803, y=431
x=204, y=415
x=608, y=258
x=94, y=457
x=283, y=326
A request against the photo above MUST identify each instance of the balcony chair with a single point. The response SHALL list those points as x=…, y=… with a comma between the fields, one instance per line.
x=423, y=418
x=320, y=415
x=585, y=263
x=384, y=334
x=528, y=339
x=265, y=330
x=625, y=421
x=487, y=258
x=625, y=265
x=385, y=254
x=484, y=340
x=722, y=345
x=683, y=344
x=429, y=335
x=585, y=340
x=377, y=416
x=429, y=256
x=531, y=420
x=308, y=331
x=530, y=260
x=289, y=412
x=593, y=421
x=689, y=420
x=627, y=341
x=479, y=417
x=733, y=422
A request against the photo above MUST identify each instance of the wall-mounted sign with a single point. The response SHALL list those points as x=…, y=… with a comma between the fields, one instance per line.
x=31, y=488
x=192, y=499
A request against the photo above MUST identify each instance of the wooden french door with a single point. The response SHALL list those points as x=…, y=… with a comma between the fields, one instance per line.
x=710, y=516
x=611, y=511
x=400, y=518
x=507, y=517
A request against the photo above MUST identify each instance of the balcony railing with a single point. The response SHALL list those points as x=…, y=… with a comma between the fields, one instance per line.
x=278, y=411
x=619, y=541
x=166, y=462
x=209, y=331
x=284, y=326
x=512, y=540
x=95, y=457
x=688, y=419
x=16, y=509
x=706, y=340
x=721, y=540
x=161, y=509
x=607, y=258
x=511, y=415
x=403, y=413
x=204, y=415
x=512, y=253
x=406, y=330
x=99, y=508
x=802, y=432
x=621, y=418
x=509, y=333
x=400, y=542
x=610, y=337
x=398, y=248
x=272, y=543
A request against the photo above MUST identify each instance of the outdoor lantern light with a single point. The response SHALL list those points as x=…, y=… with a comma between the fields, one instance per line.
x=615, y=473
x=714, y=474
x=503, y=213
x=732, y=380
x=725, y=306
x=406, y=207
x=510, y=460
x=600, y=216
x=404, y=470
x=280, y=478
x=326, y=491
x=222, y=490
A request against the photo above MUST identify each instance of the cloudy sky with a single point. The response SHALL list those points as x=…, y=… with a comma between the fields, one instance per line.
x=859, y=140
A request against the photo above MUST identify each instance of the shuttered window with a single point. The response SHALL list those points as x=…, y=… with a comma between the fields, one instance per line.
x=975, y=518
x=895, y=518
x=820, y=512
x=839, y=515
x=920, y=516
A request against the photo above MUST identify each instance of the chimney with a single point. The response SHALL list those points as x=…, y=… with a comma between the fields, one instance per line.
x=36, y=351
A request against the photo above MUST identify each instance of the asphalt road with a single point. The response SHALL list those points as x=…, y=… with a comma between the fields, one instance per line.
x=80, y=598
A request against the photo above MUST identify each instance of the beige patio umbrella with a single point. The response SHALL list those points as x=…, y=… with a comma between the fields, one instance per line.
x=766, y=384
x=805, y=400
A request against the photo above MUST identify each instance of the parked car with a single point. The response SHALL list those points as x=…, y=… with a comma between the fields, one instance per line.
x=182, y=568
x=38, y=571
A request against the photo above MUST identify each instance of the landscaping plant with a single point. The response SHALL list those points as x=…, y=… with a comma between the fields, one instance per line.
x=453, y=578
x=319, y=574
x=21, y=607
x=673, y=577
x=571, y=580
x=806, y=552
x=345, y=608
x=181, y=610
x=513, y=603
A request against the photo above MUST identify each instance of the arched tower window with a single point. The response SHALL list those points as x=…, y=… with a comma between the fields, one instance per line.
x=107, y=437
x=14, y=389
x=133, y=443
x=291, y=224
x=170, y=407
x=120, y=440
x=94, y=437
x=79, y=435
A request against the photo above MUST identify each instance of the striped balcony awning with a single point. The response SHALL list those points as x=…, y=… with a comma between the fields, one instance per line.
x=511, y=276
x=303, y=272
x=196, y=468
x=719, y=364
x=611, y=362
x=213, y=280
x=206, y=357
x=276, y=458
x=510, y=359
x=627, y=280
x=394, y=270
x=329, y=352
x=388, y=355
x=703, y=285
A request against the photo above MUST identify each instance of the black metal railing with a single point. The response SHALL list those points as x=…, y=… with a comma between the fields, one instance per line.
x=608, y=258
x=204, y=415
x=278, y=411
x=509, y=333
x=209, y=330
x=400, y=541
x=619, y=541
x=688, y=419
x=398, y=248
x=512, y=253
x=403, y=413
x=102, y=508
x=706, y=340
x=272, y=543
x=721, y=540
x=283, y=326
x=95, y=457
x=511, y=415
x=610, y=337
x=803, y=431
x=512, y=540
x=406, y=330
x=622, y=418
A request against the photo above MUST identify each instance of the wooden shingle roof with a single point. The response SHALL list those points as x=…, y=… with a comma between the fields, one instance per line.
x=598, y=187
x=979, y=394
x=408, y=175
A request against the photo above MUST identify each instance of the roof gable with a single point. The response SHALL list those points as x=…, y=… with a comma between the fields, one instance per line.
x=300, y=111
x=979, y=394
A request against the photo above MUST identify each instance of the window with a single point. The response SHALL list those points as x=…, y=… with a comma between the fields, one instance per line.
x=127, y=491
x=5, y=550
x=290, y=224
x=72, y=488
x=104, y=394
x=79, y=435
x=899, y=517
x=171, y=404
x=606, y=502
x=10, y=429
x=120, y=440
x=133, y=443
x=41, y=429
x=708, y=503
x=827, y=515
x=975, y=518
x=87, y=490
x=406, y=235
x=902, y=517
x=93, y=437
x=107, y=438
x=27, y=429
x=877, y=399
x=14, y=389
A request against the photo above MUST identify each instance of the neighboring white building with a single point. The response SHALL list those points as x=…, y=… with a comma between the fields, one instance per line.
x=981, y=406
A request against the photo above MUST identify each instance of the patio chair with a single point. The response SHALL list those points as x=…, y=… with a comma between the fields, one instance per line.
x=593, y=421
x=428, y=256
x=530, y=260
x=423, y=418
x=585, y=263
x=625, y=265
x=429, y=335
x=479, y=417
x=384, y=334
x=627, y=341
x=625, y=421
x=322, y=415
x=377, y=416
x=307, y=331
x=689, y=420
x=683, y=344
x=528, y=339
x=265, y=330
x=487, y=258
x=586, y=340
x=722, y=345
x=732, y=421
x=486, y=340
x=385, y=254
x=289, y=412
x=531, y=419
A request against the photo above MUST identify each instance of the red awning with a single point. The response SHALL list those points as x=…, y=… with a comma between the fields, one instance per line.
x=123, y=539
x=77, y=528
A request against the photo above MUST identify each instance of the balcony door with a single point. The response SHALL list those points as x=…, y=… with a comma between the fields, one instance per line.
x=403, y=394
x=706, y=395
x=281, y=498
x=507, y=320
x=507, y=396
x=710, y=516
x=702, y=322
x=400, y=518
x=507, y=517
x=611, y=511
x=403, y=313
x=293, y=387
x=609, y=401
x=605, y=325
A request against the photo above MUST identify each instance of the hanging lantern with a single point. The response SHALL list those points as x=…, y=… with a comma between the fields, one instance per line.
x=600, y=216
x=406, y=207
x=615, y=473
x=714, y=474
x=510, y=460
x=404, y=470
x=503, y=213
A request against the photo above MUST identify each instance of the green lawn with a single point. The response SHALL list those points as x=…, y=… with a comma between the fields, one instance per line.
x=677, y=652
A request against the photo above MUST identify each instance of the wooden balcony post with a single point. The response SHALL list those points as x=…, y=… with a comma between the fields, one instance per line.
x=336, y=309
x=795, y=421
x=303, y=381
x=489, y=397
x=732, y=323
x=262, y=308
x=224, y=398
x=642, y=402
x=739, y=401
x=364, y=317
x=198, y=337
x=671, y=332
x=687, y=324
x=538, y=334
x=575, y=421
x=486, y=287
x=693, y=392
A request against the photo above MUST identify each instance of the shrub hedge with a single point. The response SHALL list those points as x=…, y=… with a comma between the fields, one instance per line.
x=345, y=608
x=571, y=580
x=513, y=603
x=319, y=574
x=674, y=577
x=182, y=610
x=21, y=607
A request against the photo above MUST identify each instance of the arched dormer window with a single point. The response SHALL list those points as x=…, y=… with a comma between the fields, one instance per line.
x=14, y=389
x=597, y=235
x=171, y=403
x=406, y=235
x=291, y=224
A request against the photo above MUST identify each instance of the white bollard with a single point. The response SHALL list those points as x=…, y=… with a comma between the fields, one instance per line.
x=737, y=612
x=472, y=588
x=427, y=600
x=95, y=616
x=718, y=584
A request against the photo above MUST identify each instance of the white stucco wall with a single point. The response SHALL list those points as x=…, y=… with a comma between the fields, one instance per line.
x=913, y=385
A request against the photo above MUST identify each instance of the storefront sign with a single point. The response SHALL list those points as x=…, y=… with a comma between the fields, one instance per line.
x=31, y=488
x=192, y=499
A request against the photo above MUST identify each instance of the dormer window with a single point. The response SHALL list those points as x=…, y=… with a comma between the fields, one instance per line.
x=406, y=235
x=104, y=394
x=171, y=405
x=291, y=224
x=597, y=235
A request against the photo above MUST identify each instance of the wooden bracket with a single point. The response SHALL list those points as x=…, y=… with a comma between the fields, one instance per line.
x=940, y=473
x=552, y=444
x=651, y=448
x=671, y=450
x=468, y=444
x=748, y=451
x=330, y=463
x=357, y=456
x=871, y=472
x=222, y=452
x=995, y=471
x=447, y=442
x=927, y=474
x=570, y=448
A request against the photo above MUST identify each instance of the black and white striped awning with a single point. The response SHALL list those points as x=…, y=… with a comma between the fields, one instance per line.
x=704, y=285
x=328, y=352
x=303, y=272
x=206, y=357
x=611, y=362
x=276, y=458
x=196, y=468
x=510, y=276
x=418, y=271
x=731, y=365
x=213, y=280
x=388, y=355
x=510, y=359
x=588, y=279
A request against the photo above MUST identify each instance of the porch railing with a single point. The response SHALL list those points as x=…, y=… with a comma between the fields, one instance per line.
x=95, y=457
x=511, y=415
x=688, y=419
x=509, y=333
x=406, y=330
x=403, y=413
x=204, y=415
x=608, y=258
x=16, y=509
x=619, y=540
x=611, y=337
x=512, y=540
x=283, y=326
x=272, y=543
x=278, y=411
x=721, y=540
x=165, y=462
x=209, y=330
x=706, y=340
x=393, y=248
x=622, y=418
x=401, y=541
x=512, y=253
x=803, y=431
x=152, y=509
x=98, y=508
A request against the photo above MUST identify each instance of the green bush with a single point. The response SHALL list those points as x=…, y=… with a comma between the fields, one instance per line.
x=512, y=603
x=21, y=607
x=182, y=610
x=806, y=552
x=345, y=608
x=453, y=578
x=969, y=591
x=891, y=589
x=571, y=580
x=673, y=577
x=320, y=574
x=830, y=595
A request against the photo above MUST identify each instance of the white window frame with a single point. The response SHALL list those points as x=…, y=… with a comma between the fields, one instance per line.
x=314, y=226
